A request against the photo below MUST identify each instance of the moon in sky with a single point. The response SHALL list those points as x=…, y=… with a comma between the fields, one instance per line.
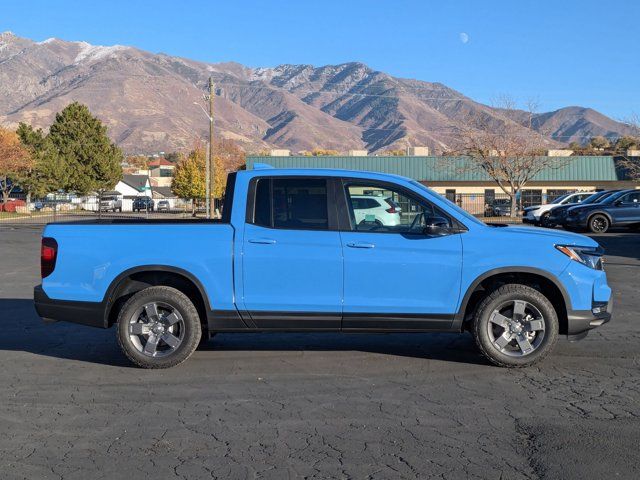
x=464, y=38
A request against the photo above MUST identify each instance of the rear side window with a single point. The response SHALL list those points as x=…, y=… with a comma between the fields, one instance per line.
x=291, y=203
x=262, y=214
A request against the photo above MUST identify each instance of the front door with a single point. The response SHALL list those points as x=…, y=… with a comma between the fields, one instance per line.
x=396, y=276
x=627, y=209
x=292, y=256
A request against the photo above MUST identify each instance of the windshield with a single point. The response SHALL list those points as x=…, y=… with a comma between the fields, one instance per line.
x=431, y=193
x=595, y=197
x=561, y=198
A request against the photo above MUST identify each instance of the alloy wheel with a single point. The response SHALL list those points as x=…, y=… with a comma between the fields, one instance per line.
x=156, y=329
x=599, y=224
x=516, y=328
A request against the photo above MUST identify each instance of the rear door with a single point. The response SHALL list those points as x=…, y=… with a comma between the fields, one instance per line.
x=292, y=255
x=396, y=277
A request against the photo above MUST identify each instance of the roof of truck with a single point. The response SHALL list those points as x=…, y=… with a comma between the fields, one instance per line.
x=326, y=172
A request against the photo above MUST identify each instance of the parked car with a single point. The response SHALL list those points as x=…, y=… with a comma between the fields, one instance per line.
x=558, y=214
x=539, y=214
x=164, y=206
x=111, y=203
x=621, y=209
x=499, y=207
x=143, y=203
x=376, y=210
x=288, y=255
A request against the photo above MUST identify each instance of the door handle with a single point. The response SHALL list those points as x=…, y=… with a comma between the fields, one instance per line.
x=360, y=245
x=263, y=241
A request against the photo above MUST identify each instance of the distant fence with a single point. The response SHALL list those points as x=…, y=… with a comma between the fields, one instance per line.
x=21, y=210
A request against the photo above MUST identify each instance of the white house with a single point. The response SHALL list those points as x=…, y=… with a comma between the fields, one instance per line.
x=134, y=186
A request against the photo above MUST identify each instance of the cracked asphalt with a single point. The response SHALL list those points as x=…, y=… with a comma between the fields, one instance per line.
x=314, y=405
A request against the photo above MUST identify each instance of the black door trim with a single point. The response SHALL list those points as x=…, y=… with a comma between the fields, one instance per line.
x=351, y=322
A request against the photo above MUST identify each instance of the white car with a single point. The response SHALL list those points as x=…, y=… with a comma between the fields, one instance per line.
x=375, y=209
x=539, y=214
x=112, y=203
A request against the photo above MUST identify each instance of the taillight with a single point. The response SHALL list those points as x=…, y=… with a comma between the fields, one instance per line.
x=48, y=255
x=392, y=209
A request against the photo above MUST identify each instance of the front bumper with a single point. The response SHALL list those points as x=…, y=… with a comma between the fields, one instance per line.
x=579, y=322
x=84, y=313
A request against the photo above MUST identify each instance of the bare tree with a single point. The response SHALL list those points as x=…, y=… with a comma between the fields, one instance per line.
x=631, y=165
x=509, y=150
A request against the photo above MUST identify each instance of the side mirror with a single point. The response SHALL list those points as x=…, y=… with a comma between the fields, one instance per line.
x=618, y=203
x=436, y=226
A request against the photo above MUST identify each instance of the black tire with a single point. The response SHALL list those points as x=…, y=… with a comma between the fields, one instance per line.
x=598, y=223
x=544, y=220
x=190, y=322
x=543, y=340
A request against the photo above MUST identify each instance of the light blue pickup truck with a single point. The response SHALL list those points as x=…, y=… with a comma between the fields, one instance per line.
x=305, y=250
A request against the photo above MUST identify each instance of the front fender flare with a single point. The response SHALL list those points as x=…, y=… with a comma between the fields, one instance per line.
x=459, y=316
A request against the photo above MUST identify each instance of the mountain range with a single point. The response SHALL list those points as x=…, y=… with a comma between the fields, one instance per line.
x=149, y=101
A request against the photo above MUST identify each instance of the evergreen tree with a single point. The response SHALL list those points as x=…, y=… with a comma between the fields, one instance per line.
x=49, y=172
x=81, y=143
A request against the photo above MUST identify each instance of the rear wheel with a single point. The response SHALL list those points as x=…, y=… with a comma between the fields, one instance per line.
x=599, y=224
x=158, y=327
x=515, y=326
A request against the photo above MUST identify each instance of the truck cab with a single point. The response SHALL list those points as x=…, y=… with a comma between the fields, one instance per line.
x=292, y=253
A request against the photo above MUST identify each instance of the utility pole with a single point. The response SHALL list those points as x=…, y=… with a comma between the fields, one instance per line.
x=211, y=174
x=209, y=166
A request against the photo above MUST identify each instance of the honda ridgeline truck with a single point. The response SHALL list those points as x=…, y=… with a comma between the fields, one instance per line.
x=289, y=255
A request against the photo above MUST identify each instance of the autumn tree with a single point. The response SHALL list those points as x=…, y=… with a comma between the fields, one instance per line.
x=227, y=157
x=398, y=152
x=141, y=162
x=189, y=176
x=15, y=162
x=80, y=140
x=599, y=143
x=509, y=152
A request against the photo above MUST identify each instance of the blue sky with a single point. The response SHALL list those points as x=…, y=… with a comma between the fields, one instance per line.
x=559, y=52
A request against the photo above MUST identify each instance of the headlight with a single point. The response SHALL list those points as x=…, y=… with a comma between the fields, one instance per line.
x=589, y=256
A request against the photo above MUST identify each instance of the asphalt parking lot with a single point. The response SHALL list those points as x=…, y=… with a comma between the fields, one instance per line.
x=315, y=405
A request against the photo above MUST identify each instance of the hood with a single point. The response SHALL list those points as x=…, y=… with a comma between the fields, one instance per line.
x=558, y=237
x=533, y=207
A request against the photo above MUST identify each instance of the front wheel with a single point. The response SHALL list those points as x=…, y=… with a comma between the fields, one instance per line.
x=158, y=327
x=515, y=326
x=599, y=224
x=544, y=220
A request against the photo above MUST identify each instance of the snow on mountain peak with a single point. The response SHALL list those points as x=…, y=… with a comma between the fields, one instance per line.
x=90, y=52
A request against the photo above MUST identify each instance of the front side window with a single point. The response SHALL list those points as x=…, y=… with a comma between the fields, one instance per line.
x=291, y=203
x=374, y=208
x=632, y=198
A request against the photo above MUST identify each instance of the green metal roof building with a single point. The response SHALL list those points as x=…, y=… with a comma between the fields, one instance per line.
x=452, y=169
